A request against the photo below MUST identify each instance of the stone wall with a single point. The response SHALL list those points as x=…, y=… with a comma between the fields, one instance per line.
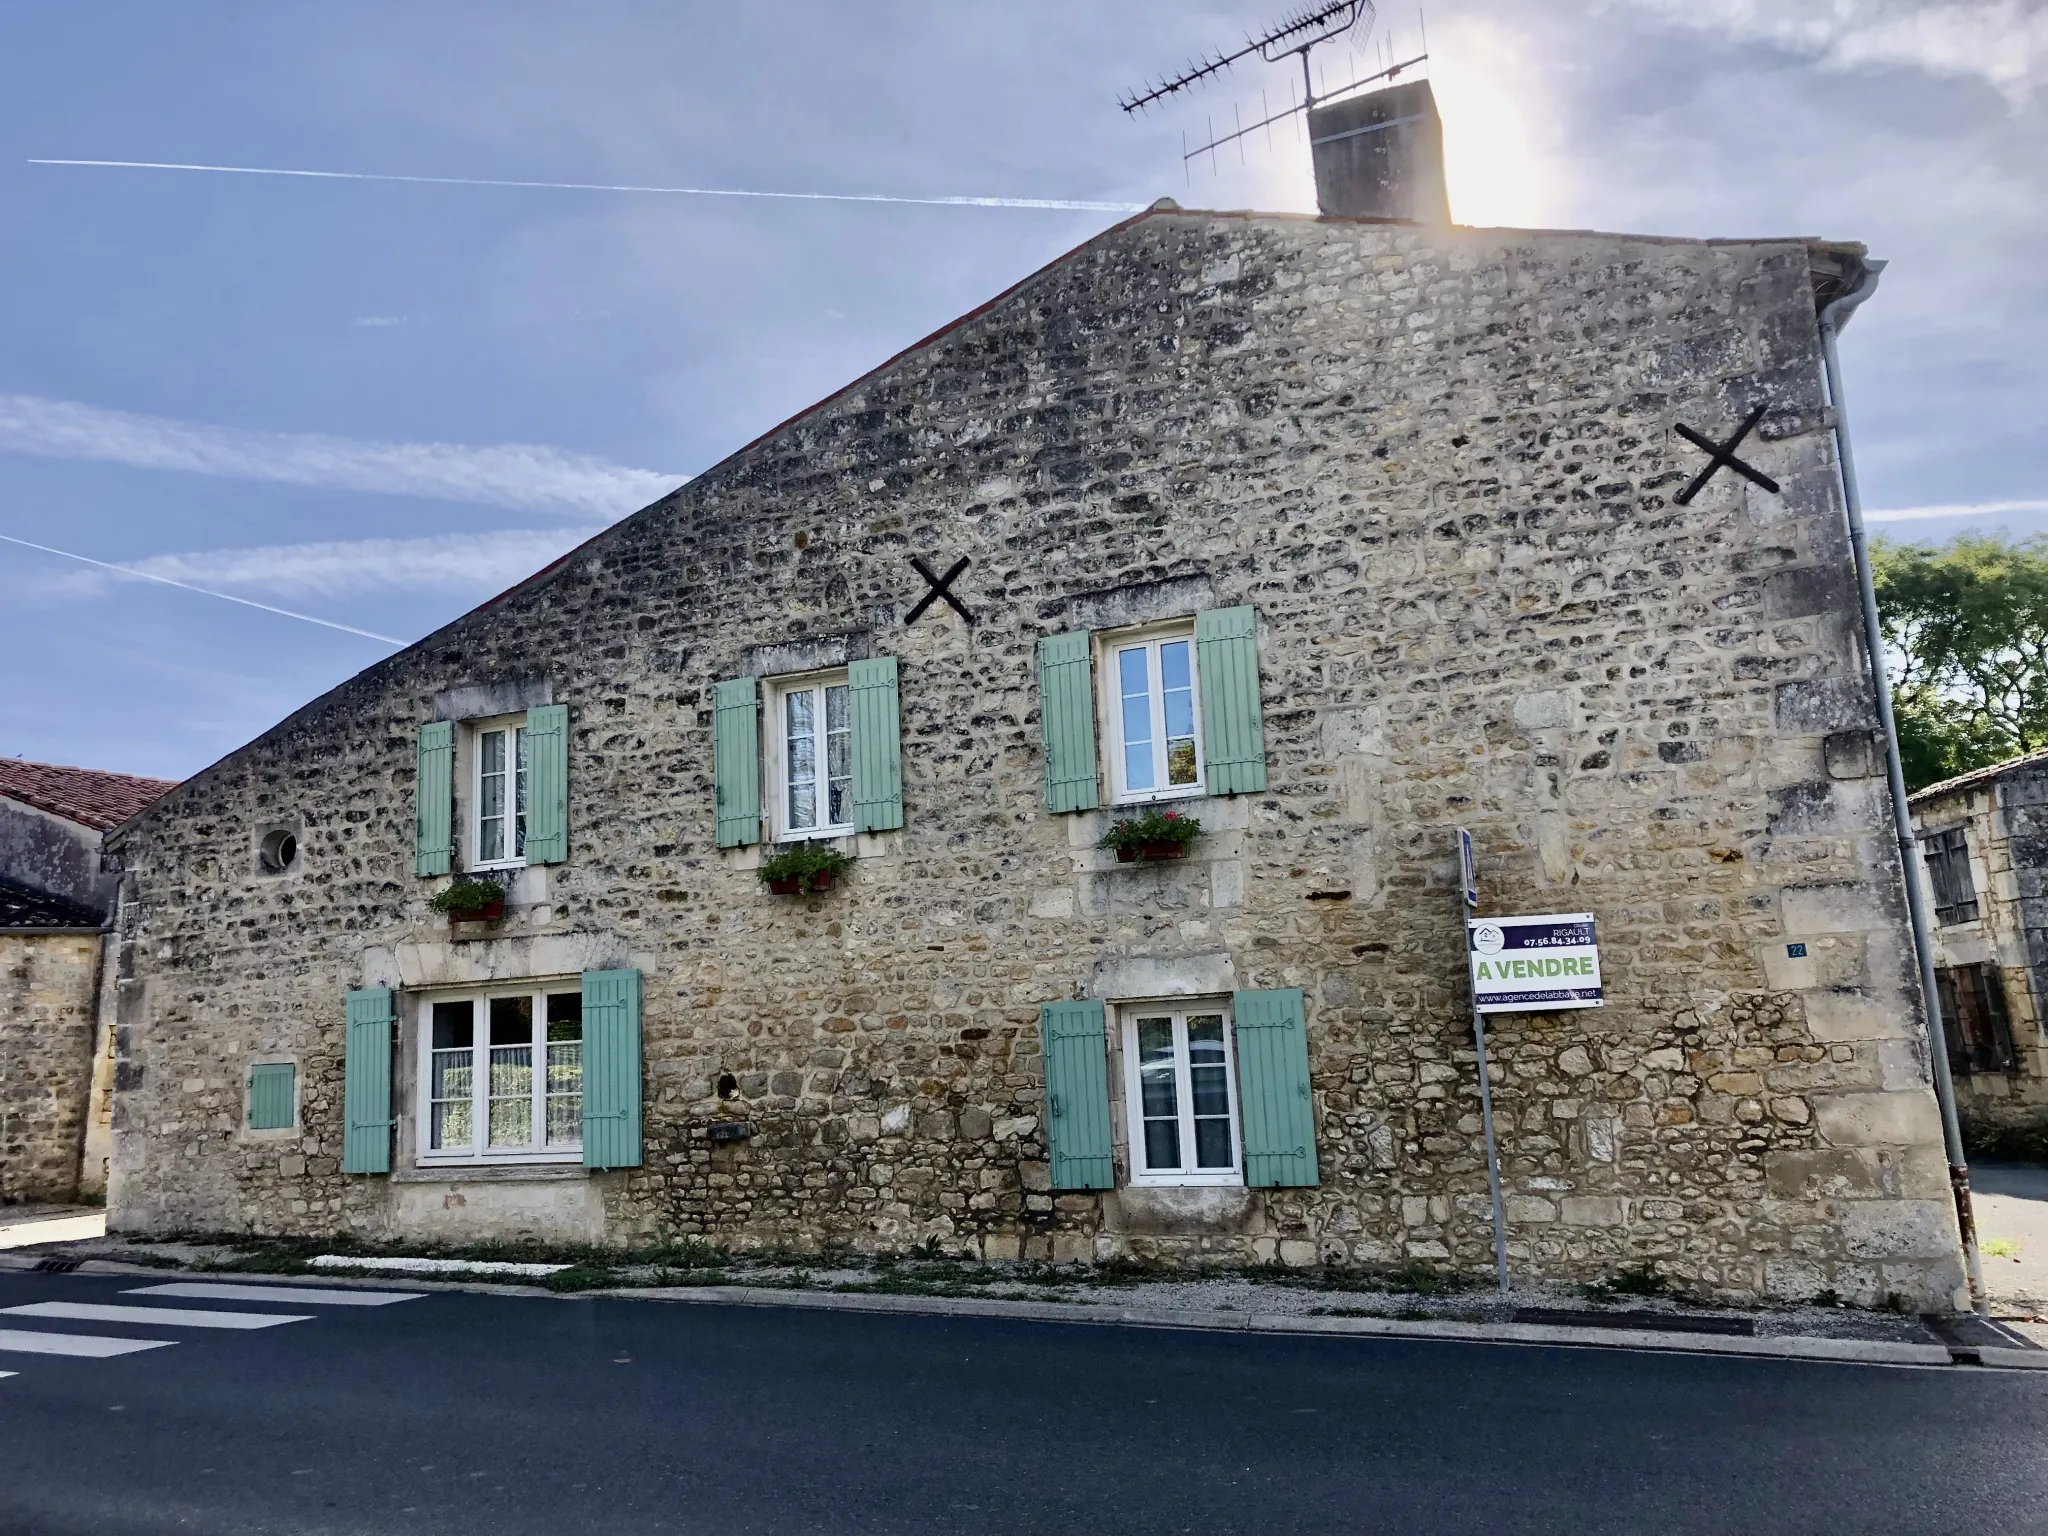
x=1440, y=466
x=2005, y=817
x=46, y=1025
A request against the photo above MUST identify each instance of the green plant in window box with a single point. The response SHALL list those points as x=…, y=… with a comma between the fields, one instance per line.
x=803, y=867
x=470, y=900
x=1154, y=834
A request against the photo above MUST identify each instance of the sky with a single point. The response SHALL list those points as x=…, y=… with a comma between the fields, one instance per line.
x=374, y=404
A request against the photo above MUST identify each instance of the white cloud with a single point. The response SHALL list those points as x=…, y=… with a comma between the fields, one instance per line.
x=526, y=476
x=462, y=562
x=2003, y=42
x=1972, y=509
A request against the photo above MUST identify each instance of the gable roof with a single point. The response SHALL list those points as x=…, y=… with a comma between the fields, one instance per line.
x=84, y=795
x=21, y=907
x=1976, y=777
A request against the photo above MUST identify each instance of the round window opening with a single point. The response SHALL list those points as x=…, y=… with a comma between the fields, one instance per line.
x=280, y=851
x=728, y=1085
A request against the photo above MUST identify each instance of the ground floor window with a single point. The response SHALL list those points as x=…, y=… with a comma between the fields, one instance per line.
x=502, y=1076
x=1181, y=1094
x=1974, y=1019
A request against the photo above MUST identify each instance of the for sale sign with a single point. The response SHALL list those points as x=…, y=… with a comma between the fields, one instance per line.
x=1527, y=964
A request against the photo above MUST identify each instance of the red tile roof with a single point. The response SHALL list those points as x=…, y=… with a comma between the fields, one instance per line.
x=84, y=795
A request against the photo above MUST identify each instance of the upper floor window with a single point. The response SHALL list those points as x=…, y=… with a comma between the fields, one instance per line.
x=812, y=748
x=1180, y=1098
x=1948, y=870
x=1154, y=711
x=500, y=795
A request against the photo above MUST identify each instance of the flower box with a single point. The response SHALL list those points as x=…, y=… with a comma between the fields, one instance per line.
x=1151, y=834
x=1145, y=853
x=489, y=912
x=802, y=869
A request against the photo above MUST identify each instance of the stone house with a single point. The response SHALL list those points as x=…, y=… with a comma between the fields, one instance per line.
x=1332, y=534
x=1984, y=856
x=55, y=902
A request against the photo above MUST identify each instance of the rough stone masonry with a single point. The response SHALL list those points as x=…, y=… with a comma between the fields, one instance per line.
x=1440, y=465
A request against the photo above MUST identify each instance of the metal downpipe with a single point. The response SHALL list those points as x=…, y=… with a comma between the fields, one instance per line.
x=1832, y=319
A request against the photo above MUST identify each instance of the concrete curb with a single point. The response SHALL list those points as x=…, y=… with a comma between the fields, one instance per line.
x=1850, y=1351
x=1790, y=1347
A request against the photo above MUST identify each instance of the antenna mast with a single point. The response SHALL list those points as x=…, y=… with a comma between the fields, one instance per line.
x=1296, y=34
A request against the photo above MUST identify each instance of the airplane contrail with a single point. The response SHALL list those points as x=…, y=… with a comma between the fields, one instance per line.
x=1059, y=203
x=186, y=586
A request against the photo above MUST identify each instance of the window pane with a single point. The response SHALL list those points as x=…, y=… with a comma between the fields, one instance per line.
x=1212, y=1143
x=511, y=1081
x=838, y=757
x=1162, y=1145
x=519, y=794
x=1134, y=686
x=800, y=752
x=511, y=1021
x=454, y=1025
x=1179, y=700
x=490, y=798
x=565, y=1068
x=565, y=1016
x=1158, y=1094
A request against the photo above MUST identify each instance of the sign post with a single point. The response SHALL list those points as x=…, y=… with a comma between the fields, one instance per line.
x=1468, y=906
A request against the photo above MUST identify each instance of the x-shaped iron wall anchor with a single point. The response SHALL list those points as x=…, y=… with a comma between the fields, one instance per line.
x=1724, y=453
x=941, y=587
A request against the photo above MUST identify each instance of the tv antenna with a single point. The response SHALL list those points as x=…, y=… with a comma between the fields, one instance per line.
x=1297, y=34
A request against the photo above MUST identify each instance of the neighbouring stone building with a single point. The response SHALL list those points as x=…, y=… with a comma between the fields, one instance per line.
x=54, y=904
x=1984, y=856
x=1335, y=534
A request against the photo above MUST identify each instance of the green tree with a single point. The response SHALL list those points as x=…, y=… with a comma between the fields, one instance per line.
x=1966, y=628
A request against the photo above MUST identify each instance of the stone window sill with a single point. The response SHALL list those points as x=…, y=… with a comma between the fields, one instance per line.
x=503, y=1173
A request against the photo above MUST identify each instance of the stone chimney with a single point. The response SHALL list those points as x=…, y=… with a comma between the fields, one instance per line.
x=1381, y=156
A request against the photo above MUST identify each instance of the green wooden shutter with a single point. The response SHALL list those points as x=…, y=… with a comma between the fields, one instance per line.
x=1077, y=1095
x=1066, y=716
x=1272, y=1087
x=877, y=745
x=1233, y=728
x=611, y=1069
x=270, y=1095
x=366, y=1082
x=547, y=784
x=433, y=847
x=736, y=761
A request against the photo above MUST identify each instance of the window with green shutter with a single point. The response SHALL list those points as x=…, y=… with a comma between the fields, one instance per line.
x=434, y=799
x=611, y=1069
x=366, y=1082
x=1077, y=1094
x=547, y=810
x=876, y=745
x=736, y=761
x=1066, y=717
x=1273, y=1089
x=272, y=1093
x=1233, y=724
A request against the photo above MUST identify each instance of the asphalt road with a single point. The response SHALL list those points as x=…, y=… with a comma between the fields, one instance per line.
x=464, y=1413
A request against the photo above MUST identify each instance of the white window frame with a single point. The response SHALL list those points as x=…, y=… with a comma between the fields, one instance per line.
x=478, y=1151
x=1110, y=703
x=1178, y=1009
x=776, y=758
x=514, y=727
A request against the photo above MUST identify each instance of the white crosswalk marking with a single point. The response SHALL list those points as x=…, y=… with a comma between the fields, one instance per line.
x=15, y=1341
x=185, y=1317
x=296, y=1295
